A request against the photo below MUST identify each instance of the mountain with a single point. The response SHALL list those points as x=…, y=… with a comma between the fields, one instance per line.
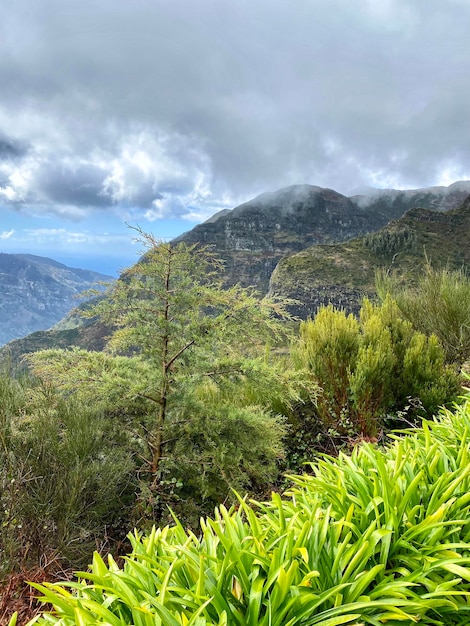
x=253, y=237
x=278, y=230
x=344, y=273
x=37, y=292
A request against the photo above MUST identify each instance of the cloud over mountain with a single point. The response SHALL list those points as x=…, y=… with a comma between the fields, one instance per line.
x=148, y=110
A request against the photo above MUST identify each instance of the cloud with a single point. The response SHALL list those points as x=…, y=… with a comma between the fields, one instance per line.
x=7, y=234
x=149, y=110
x=11, y=149
x=135, y=173
x=63, y=237
x=150, y=170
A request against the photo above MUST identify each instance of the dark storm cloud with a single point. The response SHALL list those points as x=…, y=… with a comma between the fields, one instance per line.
x=167, y=106
x=11, y=148
x=81, y=186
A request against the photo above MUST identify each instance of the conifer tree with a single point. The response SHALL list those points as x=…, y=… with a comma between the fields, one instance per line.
x=181, y=352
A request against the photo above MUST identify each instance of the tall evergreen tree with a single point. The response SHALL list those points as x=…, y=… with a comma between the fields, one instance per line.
x=181, y=353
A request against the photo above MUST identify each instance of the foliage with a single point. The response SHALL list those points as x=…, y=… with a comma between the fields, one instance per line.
x=328, y=347
x=371, y=366
x=389, y=242
x=344, y=273
x=182, y=348
x=65, y=476
x=382, y=536
x=438, y=304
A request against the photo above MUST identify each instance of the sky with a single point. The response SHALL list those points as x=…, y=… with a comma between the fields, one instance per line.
x=159, y=113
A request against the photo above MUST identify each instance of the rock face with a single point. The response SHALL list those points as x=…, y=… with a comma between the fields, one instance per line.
x=298, y=227
x=342, y=274
x=255, y=236
x=37, y=292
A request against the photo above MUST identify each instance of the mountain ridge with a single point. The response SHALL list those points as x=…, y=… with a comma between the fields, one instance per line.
x=266, y=244
x=343, y=273
x=37, y=292
x=254, y=236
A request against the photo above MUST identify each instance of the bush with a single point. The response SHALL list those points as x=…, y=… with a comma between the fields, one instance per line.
x=438, y=304
x=216, y=449
x=65, y=477
x=380, y=537
x=372, y=367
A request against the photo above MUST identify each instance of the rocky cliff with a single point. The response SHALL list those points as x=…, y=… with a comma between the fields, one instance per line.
x=37, y=292
x=284, y=226
x=253, y=237
x=344, y=273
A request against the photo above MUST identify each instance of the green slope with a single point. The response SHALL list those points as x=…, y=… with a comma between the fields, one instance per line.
x=343, y=273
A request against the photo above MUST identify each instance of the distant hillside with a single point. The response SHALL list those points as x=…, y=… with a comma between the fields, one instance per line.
x=344, y=273
x=37, y=292
x=253, y=237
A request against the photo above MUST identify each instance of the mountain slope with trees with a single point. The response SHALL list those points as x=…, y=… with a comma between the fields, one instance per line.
x=342, y=274
x=253, y=237
x=201, y=389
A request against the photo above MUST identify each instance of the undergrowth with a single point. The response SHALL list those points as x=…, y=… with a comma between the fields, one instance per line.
x=378, y=537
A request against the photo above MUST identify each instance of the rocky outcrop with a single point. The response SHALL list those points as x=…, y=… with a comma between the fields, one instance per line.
x=294, y=230
x=253, y=237
x=342, y=274
x=37, y=292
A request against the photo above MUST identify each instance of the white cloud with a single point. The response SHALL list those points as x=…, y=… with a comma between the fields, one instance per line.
x=156, y=110
x=65, y=237
x=7, y=234
x=8, y=193
x=451, y=172
x=18, y=177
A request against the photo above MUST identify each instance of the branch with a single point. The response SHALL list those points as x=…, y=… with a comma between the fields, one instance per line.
x=178, y=354
x=147, y=397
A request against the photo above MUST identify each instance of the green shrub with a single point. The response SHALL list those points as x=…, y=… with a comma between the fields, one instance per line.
x=382, y=536
x=439, y=303
x=217, y=449
x=65, y=477
x=372, y=367
x=328, y=347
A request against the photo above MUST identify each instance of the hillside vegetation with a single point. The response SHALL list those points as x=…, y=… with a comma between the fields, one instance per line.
x=36, y=292
x=344, y=273
x=282, y=227
x=381, y=536
x=253, y=237
x=203, y=391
